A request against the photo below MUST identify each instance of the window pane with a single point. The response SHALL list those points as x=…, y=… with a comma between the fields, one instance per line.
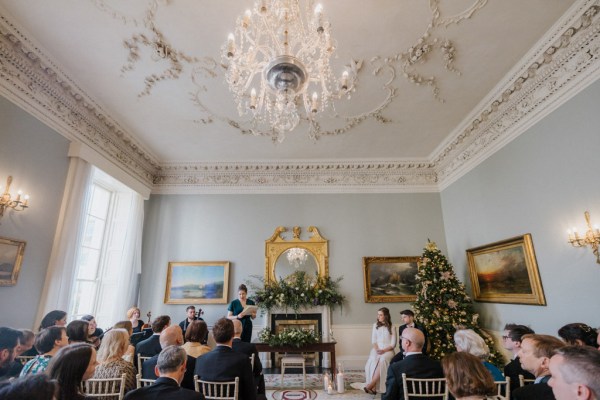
x=100, y=202
x=83, y=298
x=88, y=263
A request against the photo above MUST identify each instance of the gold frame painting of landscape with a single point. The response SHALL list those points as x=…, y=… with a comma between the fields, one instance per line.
x=202, y=282
x=390, y=279
x=506, y=272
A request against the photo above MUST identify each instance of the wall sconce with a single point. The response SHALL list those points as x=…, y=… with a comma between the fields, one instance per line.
x=6, y=200
x=591, y=237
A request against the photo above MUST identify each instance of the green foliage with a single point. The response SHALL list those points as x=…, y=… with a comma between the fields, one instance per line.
x=297, y=291
x=289, y=337
x=443, y=306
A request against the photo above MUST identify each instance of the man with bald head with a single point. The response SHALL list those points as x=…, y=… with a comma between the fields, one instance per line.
x=171, y=336
x=415, y=365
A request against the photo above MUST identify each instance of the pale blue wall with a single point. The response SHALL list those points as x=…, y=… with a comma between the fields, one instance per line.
x=36, y=157
x=234, y=228
x=540, y=183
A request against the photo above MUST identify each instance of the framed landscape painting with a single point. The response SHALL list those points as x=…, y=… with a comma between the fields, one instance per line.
x=390, y=279
x=506, y=272
x=202, y=282
x=11, y=257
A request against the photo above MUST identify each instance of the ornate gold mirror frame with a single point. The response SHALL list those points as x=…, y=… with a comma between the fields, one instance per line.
x=276, y=245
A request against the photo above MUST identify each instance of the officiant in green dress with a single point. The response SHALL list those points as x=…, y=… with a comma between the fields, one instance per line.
x=235, y=312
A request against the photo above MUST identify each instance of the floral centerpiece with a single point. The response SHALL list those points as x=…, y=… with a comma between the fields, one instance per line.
x=289, y=337
x=297, y=291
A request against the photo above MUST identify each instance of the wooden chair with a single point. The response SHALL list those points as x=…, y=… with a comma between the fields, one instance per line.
x=252, y=361
x=141, y=360
x=218, y=390
x=503, y=388
x=415, y=387
x=24, y=359
x=141, y=382
x=112, y=388
x=296, y=361
x=523, y=381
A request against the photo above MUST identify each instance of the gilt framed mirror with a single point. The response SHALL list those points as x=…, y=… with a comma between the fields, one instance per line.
x=285, y=255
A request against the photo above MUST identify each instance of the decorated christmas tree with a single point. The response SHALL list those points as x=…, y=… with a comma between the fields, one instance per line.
x=443, y=306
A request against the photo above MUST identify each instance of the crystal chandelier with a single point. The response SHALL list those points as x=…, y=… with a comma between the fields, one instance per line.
x=297, y=256
x=278, y=66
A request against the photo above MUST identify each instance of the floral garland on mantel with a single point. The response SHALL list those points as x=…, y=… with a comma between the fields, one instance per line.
x=289, y=337
x=296, y=292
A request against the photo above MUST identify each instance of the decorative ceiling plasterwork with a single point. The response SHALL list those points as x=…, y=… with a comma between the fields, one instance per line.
x=405, y=64
x=567, y=59
x=34, y=82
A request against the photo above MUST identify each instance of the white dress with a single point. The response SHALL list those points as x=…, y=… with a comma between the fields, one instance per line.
x=383, y=338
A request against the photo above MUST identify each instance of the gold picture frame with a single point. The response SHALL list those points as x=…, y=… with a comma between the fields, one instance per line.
x=197, y=282
x=390, y=279
x=11, y=258
x=506, y=272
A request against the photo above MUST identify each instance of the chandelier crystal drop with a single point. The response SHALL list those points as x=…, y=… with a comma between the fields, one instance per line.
x=278, y=66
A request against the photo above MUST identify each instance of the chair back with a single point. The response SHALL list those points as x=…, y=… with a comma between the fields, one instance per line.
x=141, y=382
x=430, y=388
x=217, y=390
x=252, y=361
x=141, y=360
x=503, y=388
x=523, y=381
x=111, y=388
x=24, y=359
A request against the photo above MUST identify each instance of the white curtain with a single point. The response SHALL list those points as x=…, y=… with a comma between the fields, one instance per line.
x=60, y=273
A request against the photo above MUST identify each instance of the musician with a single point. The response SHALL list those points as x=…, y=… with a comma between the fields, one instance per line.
x=191, y=316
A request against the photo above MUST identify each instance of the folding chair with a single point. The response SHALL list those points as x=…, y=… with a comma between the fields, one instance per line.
x=141, y=382
x=24, y=359
x=433, y=387
x=503, y=388
x=141, y=360
x=217, y=390
x=111, y=388
x=523, y=381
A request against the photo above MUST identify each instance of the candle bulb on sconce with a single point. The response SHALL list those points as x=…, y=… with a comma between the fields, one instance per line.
x=6, y=200
x=591, y=237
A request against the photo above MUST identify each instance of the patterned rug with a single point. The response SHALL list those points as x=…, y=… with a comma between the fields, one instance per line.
x=313, y=381
x=294, y=394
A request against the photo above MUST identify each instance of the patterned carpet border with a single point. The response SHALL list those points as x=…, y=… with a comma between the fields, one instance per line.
x=313, y=381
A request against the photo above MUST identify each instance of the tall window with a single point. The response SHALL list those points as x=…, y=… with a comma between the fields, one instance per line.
x=100, y=265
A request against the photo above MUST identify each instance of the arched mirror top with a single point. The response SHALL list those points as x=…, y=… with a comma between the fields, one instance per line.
x=284, y=255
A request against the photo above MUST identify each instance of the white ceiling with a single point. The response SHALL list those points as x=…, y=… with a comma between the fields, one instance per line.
x=84, y=39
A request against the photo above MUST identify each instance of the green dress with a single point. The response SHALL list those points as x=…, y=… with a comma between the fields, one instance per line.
x=236, y=307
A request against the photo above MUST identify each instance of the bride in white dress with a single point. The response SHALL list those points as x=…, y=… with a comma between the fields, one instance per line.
x=383, y=340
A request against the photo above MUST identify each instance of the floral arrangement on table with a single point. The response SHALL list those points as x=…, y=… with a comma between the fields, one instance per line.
x=297, y=291
x=289, y=337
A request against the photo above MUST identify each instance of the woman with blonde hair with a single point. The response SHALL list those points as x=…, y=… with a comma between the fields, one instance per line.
x=466, y=340
x=467, y=378
x=110, y=356
x=128, y=356
x=133, y=315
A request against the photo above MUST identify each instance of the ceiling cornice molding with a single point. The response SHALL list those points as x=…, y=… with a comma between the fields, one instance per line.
x=30, y=79
x=564, y=61
x=380, y=176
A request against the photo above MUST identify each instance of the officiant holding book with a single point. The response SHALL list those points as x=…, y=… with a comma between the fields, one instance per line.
x=243, y=309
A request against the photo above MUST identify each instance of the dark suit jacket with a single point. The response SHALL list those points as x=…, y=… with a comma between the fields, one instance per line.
x=414, y=366
x=400, y=355
x=163, y=389
x=149, y=347
x=249, y=349
x=534, y=391
x=223, y=364
x=513, y=369
x=188, y=378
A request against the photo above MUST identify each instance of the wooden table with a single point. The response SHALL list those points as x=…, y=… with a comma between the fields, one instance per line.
x=321, y=347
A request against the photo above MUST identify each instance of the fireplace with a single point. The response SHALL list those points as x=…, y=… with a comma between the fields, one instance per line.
x=313, y=322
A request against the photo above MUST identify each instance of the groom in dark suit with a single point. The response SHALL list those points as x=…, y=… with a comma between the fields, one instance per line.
x=224, y=364
x=408, y=317
x=415, y=364
x=170, y=369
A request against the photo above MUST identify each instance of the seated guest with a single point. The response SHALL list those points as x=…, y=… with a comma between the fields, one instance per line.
x=9, y=340
x=72, y=365
x=25, y=347
x=151, y=346
x=223, y=364
x=77, y=331
x=536, y=351
x=170, y=368
x=53, y=318
x=133, y=315
x=383, y=341
x=511, y=340
x=196, y=332
x=415, y=364
x=408, y=317
x=26, y=338
x=34, y=387
x=110, y=358
x=94, y=333
x=467, y=378
x=128, y=356
x=171, y=336
x=470, y=342
x=578, y=334
x=190, y=317
x=48, y=342
x=249, y=349
x=575, y=373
